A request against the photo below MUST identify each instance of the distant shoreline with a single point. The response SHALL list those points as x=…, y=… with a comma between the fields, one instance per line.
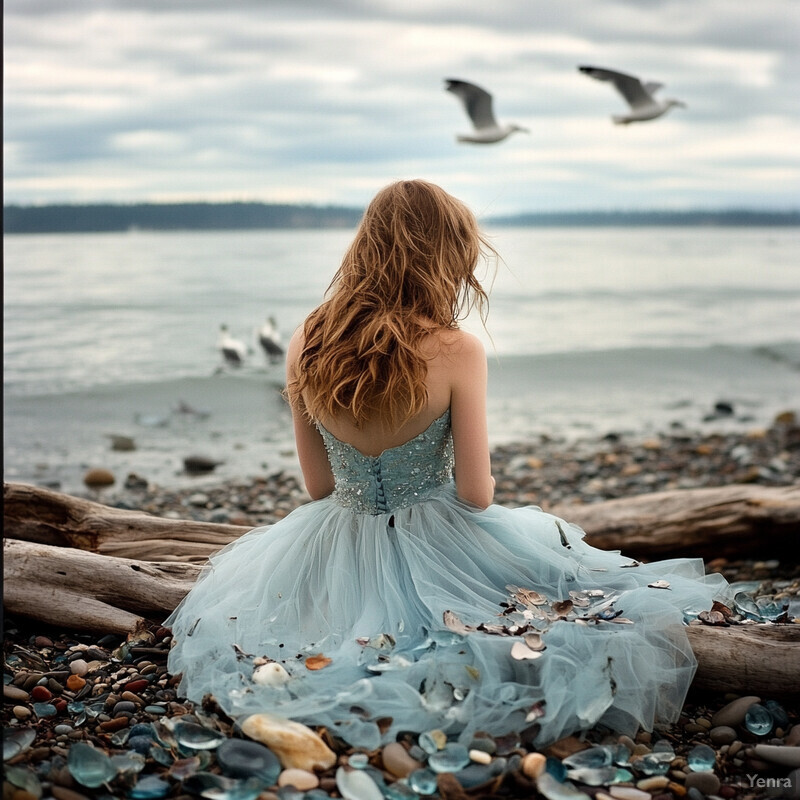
x=119, y=218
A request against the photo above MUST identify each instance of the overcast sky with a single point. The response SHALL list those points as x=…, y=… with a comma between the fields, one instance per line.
x=325, y=101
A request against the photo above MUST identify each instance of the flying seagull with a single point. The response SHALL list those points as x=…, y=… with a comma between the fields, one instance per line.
x=639, y=95
x=233, y=351
x=270, y=340
x=478, y=105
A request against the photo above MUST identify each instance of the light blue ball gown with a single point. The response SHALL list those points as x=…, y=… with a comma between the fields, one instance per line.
x=435, y=614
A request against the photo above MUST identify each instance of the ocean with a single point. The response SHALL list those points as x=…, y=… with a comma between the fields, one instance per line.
x=590, y=331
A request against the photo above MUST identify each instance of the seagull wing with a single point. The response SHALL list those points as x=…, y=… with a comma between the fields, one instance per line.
x=477, y=102
x=629, y=86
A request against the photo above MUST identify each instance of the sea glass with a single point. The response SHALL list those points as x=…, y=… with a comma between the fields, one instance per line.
x=149, y=788
x=89, y=766
x=399, y=791
x=358, y=760
x=356, y=784
x=779, y=716
x=769, y=608
x=651, y=764
x=195, y=737
x=758, y=720
x=432, y=741
x=451, y=758
x=240, y=758
x=16, y=741
x=423, y=781
x=591, y=758
x=701, y=758
x=555, y=769
x=593, y=776
x=553, y=789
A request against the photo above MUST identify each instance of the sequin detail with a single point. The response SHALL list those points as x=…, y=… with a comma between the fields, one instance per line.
x=398, y=477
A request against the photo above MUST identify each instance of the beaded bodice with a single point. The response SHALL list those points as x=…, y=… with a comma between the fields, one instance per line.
x=398, y=477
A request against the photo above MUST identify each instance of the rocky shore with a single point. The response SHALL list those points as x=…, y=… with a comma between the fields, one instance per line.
x=93, y=716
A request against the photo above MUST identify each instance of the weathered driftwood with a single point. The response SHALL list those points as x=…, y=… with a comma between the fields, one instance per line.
x=40, y=515
x=85, y=591
x=761, y=658
x=734, y=521
x=76, y=590
x=731, y=521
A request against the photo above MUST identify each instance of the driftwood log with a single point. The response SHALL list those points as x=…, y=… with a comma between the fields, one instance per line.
x=87, y=591
x=736, y=521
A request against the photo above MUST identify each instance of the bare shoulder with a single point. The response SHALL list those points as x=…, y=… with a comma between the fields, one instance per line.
x=458, y=345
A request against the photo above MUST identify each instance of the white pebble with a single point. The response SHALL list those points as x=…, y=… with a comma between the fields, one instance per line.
x=78, y=667
x=480, y=757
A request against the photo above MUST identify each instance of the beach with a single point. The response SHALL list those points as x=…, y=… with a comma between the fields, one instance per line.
x=68, y=688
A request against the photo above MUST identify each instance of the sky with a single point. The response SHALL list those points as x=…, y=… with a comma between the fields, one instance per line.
x=326, y=101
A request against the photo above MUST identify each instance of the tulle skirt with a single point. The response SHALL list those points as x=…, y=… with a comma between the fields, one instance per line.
x=439, y=616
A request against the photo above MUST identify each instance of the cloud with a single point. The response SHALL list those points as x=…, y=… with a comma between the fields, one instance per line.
x=326, y=101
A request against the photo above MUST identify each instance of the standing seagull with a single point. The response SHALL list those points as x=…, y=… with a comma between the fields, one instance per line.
x=478, y=105
x=233, y=351
x=639, y=96
x=270, y=340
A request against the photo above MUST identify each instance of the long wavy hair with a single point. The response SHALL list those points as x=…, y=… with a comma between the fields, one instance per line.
x=409, y=269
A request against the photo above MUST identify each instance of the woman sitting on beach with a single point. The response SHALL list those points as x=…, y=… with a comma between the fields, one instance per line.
x=400, y=599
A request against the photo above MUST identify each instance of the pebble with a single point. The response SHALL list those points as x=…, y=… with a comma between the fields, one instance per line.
x=653, y=784
x=722, y=734
x=13, y=693
x=21, y=712
x=480, y=757
x=793, y=737
x=79, y=667
x=628, y=793
x=785, y=756
x=705, y=782
x=295, y=744
x=533, y=765
x=732, y=714
x=96, y=478
x=397, y=760
x=299, y=778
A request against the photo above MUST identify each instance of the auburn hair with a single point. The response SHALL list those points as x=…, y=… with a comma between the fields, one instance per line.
x=409, y=269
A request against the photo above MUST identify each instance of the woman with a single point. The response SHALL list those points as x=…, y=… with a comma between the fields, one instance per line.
x=361, y=610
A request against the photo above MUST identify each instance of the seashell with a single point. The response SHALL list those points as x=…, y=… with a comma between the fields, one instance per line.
x=271, y=674
x=521, y=651
x=659, y=585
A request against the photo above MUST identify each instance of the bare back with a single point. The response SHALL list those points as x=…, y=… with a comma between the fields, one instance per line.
x=456, y=379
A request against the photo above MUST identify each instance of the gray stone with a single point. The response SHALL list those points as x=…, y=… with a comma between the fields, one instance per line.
x=705, y=782
x=722, y=734
x=732, y=714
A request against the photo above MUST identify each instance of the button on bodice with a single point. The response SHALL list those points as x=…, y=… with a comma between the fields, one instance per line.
x=398, y=477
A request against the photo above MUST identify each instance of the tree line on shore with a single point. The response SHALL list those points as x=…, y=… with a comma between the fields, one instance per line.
x=112, y=218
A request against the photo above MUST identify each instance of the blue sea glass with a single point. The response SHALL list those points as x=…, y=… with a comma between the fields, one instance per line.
x=746, y=606
x=451, y=758
x=651, y=764
x=423, y=781
x=130, y=763
x=591, y=758
x=44, y=710
x=23, y=778
x=240, y=758
x=701, y=758
x=16, y=741
x=769, y=608
x=593, y=776
x=89, y=766
x=779, y=716
x=399, y=791
x=358, y=760
x=149, y=788
x=556, y=769
x=758, y=720
x=622, y=755
x=429, y=741
x=289, y=793
x=195, y=737
x=475, y=775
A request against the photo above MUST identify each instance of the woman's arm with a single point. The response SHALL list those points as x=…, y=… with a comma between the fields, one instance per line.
x=311, y=452
x=473, y=473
